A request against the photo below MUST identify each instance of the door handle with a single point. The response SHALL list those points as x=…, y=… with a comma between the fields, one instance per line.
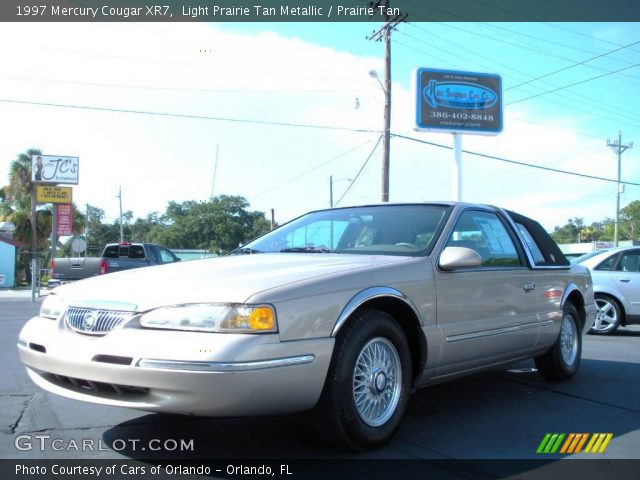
x=625, y=280
x=529, y=286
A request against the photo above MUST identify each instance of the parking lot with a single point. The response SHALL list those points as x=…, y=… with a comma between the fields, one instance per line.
x=502, y=414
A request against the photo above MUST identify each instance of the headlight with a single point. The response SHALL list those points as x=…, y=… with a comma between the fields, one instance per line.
x=52, y=307
x=213, y=318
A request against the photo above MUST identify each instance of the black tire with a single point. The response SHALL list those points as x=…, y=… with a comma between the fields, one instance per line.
x=336, y=418
x=608, y=317
x=562, y=360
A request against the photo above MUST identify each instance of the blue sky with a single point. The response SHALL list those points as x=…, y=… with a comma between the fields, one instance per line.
x=318, y=74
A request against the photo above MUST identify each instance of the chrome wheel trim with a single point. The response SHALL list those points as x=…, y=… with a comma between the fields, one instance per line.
x=377, y=381
x=606, y=316
x=568, y=340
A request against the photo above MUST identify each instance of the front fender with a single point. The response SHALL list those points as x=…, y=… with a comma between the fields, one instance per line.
x=370, y=294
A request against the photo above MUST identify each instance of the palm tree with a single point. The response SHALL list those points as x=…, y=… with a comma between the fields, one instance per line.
x=19, y=208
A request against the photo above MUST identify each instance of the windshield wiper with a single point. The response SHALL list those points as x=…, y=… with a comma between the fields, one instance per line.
x=245, y=251
x=305, y=250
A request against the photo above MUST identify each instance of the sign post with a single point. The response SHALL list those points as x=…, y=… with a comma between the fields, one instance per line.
x=457, y=102
x=46, y=172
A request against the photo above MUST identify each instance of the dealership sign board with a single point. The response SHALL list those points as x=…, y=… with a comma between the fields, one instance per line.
x=54, y=169
x=453, y=101
x=64, y=220
x=52, y=194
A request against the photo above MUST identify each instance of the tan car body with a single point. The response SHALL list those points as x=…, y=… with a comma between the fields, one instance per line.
x=458, y=322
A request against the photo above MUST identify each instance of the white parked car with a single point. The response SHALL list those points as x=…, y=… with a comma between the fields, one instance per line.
x=342, y=312
x=616, y=285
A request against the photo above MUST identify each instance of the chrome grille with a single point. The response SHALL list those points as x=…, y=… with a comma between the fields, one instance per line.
x=95, y=322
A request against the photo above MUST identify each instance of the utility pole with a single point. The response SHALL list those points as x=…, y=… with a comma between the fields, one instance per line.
x=120, y=201
x=330, y=191
x=215, y=170
x=619, y=149
x=391, y=21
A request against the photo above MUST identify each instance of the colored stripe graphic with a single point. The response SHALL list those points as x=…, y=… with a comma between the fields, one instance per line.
x=550, y=443
x=574, y=442
x=598, y=442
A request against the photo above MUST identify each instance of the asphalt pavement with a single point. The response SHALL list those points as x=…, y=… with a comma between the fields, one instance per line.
x=502, y=414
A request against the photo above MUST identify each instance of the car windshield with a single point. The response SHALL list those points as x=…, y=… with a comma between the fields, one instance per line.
x=384, y=230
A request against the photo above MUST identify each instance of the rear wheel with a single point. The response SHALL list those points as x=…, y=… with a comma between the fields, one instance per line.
x=608, y=316
x=562, y=360
x=367, y=387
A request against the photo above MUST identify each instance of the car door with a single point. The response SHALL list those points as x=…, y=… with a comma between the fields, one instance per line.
x=626, y=277
x=486, y=313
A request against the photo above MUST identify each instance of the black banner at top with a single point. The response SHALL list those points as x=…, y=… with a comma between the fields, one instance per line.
x=319, y=10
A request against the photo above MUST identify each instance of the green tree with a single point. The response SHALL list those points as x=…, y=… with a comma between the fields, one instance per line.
x=18, y=209
x=630, y=221
x=218, y=225
x=570, y=232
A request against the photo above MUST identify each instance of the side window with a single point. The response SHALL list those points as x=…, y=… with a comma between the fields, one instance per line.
x=485, y=233
x=629, y=262
x=536, y=252
x=608, y=263
x=166, y=256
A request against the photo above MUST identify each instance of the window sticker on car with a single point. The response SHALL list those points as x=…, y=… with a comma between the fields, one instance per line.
x=497, y=237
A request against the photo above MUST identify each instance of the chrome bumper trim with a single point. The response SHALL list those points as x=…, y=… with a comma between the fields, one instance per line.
x=224, y=366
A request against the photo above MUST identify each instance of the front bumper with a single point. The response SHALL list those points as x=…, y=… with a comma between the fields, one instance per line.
x=179, y=372
x=590, y=310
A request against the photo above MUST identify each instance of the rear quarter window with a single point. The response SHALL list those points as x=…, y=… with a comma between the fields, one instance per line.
x=543, y=248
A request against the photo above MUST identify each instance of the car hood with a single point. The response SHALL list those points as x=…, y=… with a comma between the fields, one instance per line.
x=225, y=279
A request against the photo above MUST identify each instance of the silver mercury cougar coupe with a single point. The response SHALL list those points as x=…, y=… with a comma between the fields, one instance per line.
x=342, y=312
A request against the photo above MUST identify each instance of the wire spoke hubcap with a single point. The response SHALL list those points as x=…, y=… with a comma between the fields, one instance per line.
x=568, y=340
x=377, y=382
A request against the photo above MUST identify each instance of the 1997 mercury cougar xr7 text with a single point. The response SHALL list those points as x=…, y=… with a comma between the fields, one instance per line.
x=342, y=312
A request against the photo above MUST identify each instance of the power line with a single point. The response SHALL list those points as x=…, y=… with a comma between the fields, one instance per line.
x=516, y=162
x=359, y=171
x=174, y=89
x=573, y=84
x=525, y=47
x=546, y=40
x=574, y=65
x=312, y=169
x=190, y=116
x=599, y=104
x=576, y=32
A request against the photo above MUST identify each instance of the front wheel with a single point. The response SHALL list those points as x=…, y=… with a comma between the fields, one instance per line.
x=562, y=360
x=608, y=315
x=368, y=383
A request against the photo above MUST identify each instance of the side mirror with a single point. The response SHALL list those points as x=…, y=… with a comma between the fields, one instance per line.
x=453, y=258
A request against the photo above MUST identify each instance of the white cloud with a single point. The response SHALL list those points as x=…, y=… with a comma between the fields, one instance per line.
x=196, y=69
